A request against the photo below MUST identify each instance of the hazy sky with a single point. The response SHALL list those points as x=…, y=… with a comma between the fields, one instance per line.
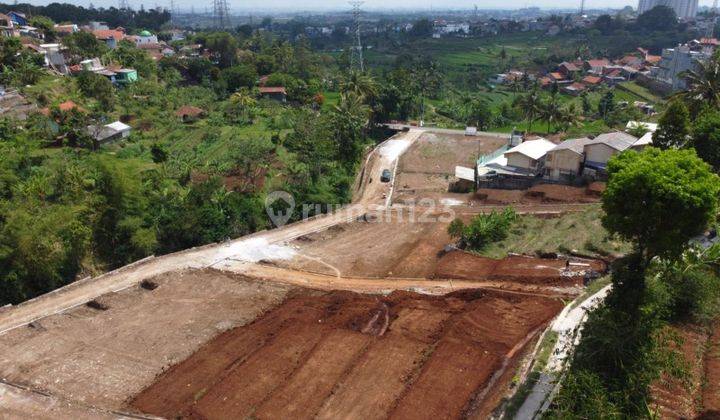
x=260, y=5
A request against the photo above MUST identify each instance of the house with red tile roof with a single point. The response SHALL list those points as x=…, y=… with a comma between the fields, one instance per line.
x=569, y=69
x=592, y=81
x=277, y=93
x=111, y=37
x=596, y=65
x=574, y=89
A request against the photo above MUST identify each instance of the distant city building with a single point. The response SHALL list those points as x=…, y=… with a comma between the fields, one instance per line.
x=674, y=62
x=684, y=9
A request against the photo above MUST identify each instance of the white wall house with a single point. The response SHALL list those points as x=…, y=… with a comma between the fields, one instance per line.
x=600, y=149
x=564, y=161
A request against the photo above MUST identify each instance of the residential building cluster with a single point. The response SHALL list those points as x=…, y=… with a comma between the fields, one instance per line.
x=579, y=76
x=521, y=163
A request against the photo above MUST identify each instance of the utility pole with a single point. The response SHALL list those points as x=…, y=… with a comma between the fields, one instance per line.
x=221, y=16
x=356, y=54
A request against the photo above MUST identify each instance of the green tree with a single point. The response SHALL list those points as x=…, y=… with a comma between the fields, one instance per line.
x=82, y=45
x=659, y=18
x=46, y=26
x=706, y=138
x=483, y=229
x=128, y=55
x=607, y=104
x=659, y=199
x=530, y=105
x=236, y=77
x=422, y=28
x=703, y=85
x=673, y=126
x=359, y=83
x=349, y=119
x=223, y=46
x=99, y=87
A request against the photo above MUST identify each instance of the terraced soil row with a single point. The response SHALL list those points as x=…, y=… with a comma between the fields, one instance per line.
x=343, y=354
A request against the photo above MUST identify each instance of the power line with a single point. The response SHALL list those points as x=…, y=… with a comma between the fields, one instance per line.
x=356, y=54
x=221, y=16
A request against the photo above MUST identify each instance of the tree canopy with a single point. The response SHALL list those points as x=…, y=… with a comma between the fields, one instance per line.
x=659, y=199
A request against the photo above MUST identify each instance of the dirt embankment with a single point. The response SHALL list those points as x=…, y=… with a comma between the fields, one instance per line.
x=517, y=268
x=343, y=354
x=542, y=193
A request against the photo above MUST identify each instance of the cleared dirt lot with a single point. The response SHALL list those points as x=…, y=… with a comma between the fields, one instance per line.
x=343, y=354
x=101, y=357
x=426, y=168
x=399, y=248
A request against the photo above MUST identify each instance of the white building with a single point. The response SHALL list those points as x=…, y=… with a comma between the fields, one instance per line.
x=684, y=9
x=674, y=62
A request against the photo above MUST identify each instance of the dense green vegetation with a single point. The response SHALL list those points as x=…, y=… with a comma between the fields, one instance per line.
x=70, y=206
x=657, y=200
x=65, y=12
x=579, y=231
x=483, y=229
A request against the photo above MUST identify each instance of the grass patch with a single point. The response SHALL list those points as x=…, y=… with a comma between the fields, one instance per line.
x=517, y=400
x=591, y=289
x=581, y=231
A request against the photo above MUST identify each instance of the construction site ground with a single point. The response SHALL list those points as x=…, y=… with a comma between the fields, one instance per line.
x=428, y=166
x=343, y=354
x=338, y=316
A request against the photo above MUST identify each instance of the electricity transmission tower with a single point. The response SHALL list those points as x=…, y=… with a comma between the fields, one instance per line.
x=221, y=16
x=582, y=7
x=174, y=12
x=356, y=54
x=710, y=33
x=124, y=4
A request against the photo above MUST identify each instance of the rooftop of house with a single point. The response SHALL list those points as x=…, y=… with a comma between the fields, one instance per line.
x=575, y=145
x=104, y=34
x=575, y=86
x=118, y=126
x=652, y=127
x=592, y=80
x=273, y=89
x=189, y=110
x=569, y=66
x=618, y=140
x=645, y=140
x=598, y=62
x=534, y=149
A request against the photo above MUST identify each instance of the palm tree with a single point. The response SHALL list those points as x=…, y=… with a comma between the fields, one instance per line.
x=551, y=112
x=530, y=106
x=349, y=118
x=360, y=84
x=703, y=85
x=569, y=117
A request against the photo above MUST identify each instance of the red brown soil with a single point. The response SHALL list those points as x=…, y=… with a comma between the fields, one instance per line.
x=542, y=193
x=711, y=388
x=343, y=354
x=675, y=397
x=518, y=268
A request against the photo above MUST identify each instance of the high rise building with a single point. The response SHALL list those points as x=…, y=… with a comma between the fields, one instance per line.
x=684, y=9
